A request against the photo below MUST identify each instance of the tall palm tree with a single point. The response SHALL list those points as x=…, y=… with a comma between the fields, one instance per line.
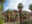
x=30, y=7
x=20, y=6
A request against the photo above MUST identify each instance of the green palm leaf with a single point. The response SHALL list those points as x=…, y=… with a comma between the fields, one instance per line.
x=20, y=5
x=30, y=6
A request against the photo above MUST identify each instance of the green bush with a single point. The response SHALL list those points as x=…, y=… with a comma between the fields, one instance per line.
x=25, y=23
x=1, y=20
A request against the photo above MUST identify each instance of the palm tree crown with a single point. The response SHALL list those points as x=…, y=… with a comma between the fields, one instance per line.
x=30, y=7
x=20, y=5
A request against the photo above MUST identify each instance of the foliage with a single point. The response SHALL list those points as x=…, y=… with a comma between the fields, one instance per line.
x=25, y=23
x=30, y=7
x=1, y=7
x=25, y=13
x=1, y=20
x=13, y=16
x=8, y=10
x=16, y=22
x=2, y=1
x=20, y=5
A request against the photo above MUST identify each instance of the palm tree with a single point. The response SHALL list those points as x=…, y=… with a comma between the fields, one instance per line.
x=20, y=6
x=30, y=7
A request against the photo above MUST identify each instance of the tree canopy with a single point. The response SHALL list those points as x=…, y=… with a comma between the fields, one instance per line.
x=30, y=7
x=20, y=5
x=8, y=10
x=1, y=7
x=3, y=1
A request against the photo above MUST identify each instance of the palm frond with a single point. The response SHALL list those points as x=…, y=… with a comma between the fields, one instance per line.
x=20, y=5
x=30, y=6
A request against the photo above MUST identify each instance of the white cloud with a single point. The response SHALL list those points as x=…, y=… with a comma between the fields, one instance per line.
x=27, y=5
x=13, y=4
x=5, y=8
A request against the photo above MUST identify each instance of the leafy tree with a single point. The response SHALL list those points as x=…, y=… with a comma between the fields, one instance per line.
x=2, y=1
x=8, y=10
x=1, y=9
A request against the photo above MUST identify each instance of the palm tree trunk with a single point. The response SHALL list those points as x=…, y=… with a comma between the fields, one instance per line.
x=20, y=17
x=20, y=11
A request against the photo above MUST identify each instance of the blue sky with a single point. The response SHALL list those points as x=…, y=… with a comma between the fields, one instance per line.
x=12, y=4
